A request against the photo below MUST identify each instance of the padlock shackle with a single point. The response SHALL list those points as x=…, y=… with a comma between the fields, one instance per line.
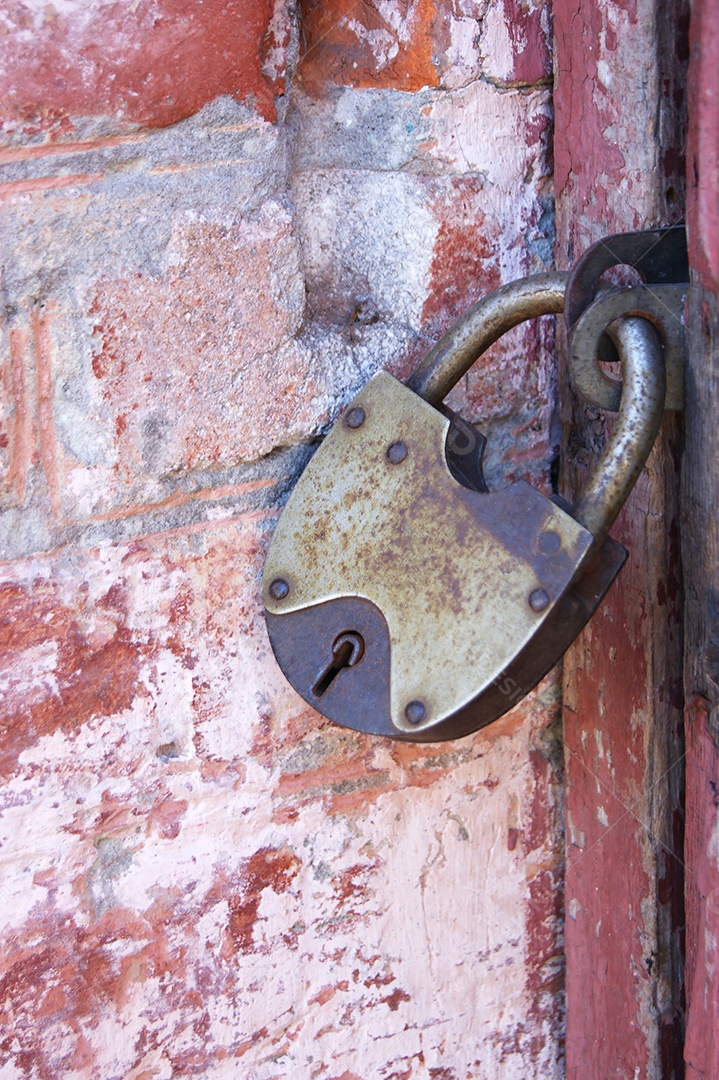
x=643, y=386
x=483, y=324
x=640, y=414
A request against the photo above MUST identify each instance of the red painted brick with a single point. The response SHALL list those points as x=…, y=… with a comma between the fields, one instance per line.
x=218, y=880
x=214, y=331
x=407, y=46
x=367, y=45
x=464, y=260
x=150, y=63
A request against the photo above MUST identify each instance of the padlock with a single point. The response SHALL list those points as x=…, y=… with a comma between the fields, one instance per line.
x=404, y=599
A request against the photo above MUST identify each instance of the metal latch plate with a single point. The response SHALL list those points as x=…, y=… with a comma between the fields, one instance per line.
x=661, y=258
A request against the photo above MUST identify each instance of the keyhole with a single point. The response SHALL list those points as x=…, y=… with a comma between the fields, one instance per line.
x=347, y=650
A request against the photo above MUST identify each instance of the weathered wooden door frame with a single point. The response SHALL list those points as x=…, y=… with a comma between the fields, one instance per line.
x=619, y=132
x=700, y=549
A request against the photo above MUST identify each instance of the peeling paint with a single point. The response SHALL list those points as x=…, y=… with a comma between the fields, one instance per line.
x=201, y=876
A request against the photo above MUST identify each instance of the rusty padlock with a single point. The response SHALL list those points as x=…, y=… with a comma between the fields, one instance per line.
x=404, y=599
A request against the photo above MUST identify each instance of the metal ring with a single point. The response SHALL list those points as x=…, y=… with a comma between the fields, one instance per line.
x=657, y=303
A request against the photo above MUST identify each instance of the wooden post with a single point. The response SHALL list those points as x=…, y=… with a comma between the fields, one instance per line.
x=616, y=169
x=700, y=546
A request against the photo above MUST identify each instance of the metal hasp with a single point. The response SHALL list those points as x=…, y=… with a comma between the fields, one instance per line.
x=404, y=599
x=661, y=259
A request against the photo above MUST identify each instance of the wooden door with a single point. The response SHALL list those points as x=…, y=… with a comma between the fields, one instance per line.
x=634, y=850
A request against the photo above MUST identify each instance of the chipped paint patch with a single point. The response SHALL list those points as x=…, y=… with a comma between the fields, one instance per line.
x=150, y=865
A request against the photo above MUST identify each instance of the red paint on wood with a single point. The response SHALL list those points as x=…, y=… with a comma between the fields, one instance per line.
x=150, y=63
x=528, y=26
x=703, y=163
x=610, y=893
x=623, y=755
x=701, y=1051
x=583, y=110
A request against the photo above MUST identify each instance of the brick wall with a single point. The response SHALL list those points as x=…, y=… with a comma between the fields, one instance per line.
x=218, y=220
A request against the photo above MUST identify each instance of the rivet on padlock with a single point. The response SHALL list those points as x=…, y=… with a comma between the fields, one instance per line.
x=404, y=599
